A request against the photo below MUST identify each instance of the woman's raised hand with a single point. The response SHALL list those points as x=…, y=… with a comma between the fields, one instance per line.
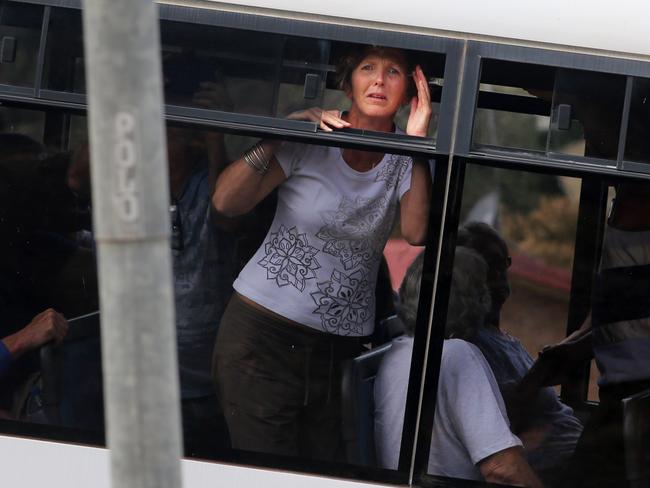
x=328, y=120
x=420, y=116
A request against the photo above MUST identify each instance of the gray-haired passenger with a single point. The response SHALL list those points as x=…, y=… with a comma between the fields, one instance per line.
x=471, y=437
x=548, y=427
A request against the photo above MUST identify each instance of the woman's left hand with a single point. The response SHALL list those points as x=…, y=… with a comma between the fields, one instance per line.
x=420, y=116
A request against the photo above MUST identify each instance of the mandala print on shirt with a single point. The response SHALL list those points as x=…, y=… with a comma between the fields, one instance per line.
x=393, y=172
x=354, y=232
x=344, y=303
x=289, y=260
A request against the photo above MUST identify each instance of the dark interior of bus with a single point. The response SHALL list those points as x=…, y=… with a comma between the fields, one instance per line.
x=551, y=156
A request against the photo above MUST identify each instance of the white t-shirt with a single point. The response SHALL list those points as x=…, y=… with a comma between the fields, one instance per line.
x=318, y=264
x=470, y=422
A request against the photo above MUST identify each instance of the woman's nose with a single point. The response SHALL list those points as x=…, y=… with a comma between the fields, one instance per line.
x=379, y=77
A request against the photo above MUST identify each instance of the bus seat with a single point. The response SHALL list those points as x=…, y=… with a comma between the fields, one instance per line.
x=636, y=433
x=359, y=406
x=387, y=329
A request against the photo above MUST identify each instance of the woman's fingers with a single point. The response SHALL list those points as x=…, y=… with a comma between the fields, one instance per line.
x=332, y=119
x=424, y=94
x=327, y=120
x=420, y=115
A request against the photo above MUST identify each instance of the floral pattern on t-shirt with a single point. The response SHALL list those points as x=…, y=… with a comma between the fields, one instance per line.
x=393, y=172
x=289, y=260
x=354, y=232
x=344, y=303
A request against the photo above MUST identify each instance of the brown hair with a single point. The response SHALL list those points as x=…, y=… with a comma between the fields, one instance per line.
x=349, y=62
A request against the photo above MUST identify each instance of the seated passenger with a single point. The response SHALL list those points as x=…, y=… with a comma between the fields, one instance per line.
x=548, y=428
x=471, y=438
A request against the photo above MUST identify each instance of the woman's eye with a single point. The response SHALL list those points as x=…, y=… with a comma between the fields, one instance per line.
x=393, y=71
x=367, y=67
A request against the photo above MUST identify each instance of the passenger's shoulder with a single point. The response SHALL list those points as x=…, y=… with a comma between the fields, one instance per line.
x=460, y=353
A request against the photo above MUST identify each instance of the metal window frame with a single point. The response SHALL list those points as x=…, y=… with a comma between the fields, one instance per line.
x=479, y=51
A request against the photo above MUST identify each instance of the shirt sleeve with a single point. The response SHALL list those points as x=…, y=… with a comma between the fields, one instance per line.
x=404, y=184
x=5, y=359
x=475, y=405
x=289, y=155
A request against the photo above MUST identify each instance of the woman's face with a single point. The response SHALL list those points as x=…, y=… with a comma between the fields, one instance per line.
x=378, y=86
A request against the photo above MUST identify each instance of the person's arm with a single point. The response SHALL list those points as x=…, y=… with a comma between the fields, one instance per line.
x=240, y=187
x=47, y=326
x=414, y=205
x=509, y=467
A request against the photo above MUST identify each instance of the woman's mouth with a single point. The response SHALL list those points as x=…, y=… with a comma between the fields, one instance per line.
x=377, y=96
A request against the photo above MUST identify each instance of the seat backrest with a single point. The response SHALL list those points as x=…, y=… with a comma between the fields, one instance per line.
x=359, y=406
x=387, y=329
x=636, y=432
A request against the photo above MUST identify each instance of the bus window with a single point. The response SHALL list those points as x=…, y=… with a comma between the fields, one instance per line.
x=235, y=70
x=513, y=105
x=611, y=453
x=587, y=111
x=64, y=61
x=49, y=280
x=509, y=297
x=636, y=146
x=23, y=121
x=20, y=28
x=549, y=110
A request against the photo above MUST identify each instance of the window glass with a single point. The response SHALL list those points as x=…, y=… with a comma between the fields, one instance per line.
x=234, y=70
x=514, y=106
x=548, y=110
x=64, y=60
x=20, y=34
x=587, y=111
x=48, y=272
x=323, y=247
x=614, y=439
x=636, y=146
x=509, y=297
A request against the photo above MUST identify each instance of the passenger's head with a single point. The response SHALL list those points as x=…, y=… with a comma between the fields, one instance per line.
x=469, y=297
x=377, y=79
x=493, y=249
x=409, y=294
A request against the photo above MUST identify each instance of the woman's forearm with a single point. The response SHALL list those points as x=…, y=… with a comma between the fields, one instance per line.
x=414, y=213
x=240, y=186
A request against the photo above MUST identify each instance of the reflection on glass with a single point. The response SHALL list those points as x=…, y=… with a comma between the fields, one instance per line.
x=636, y=145
x=20, y=34
x=234, y=70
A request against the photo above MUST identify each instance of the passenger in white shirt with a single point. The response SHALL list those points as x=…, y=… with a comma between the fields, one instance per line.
x=305, y=301
x=471, y=438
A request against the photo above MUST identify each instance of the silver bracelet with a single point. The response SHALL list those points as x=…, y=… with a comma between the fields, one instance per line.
x=257, y=159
